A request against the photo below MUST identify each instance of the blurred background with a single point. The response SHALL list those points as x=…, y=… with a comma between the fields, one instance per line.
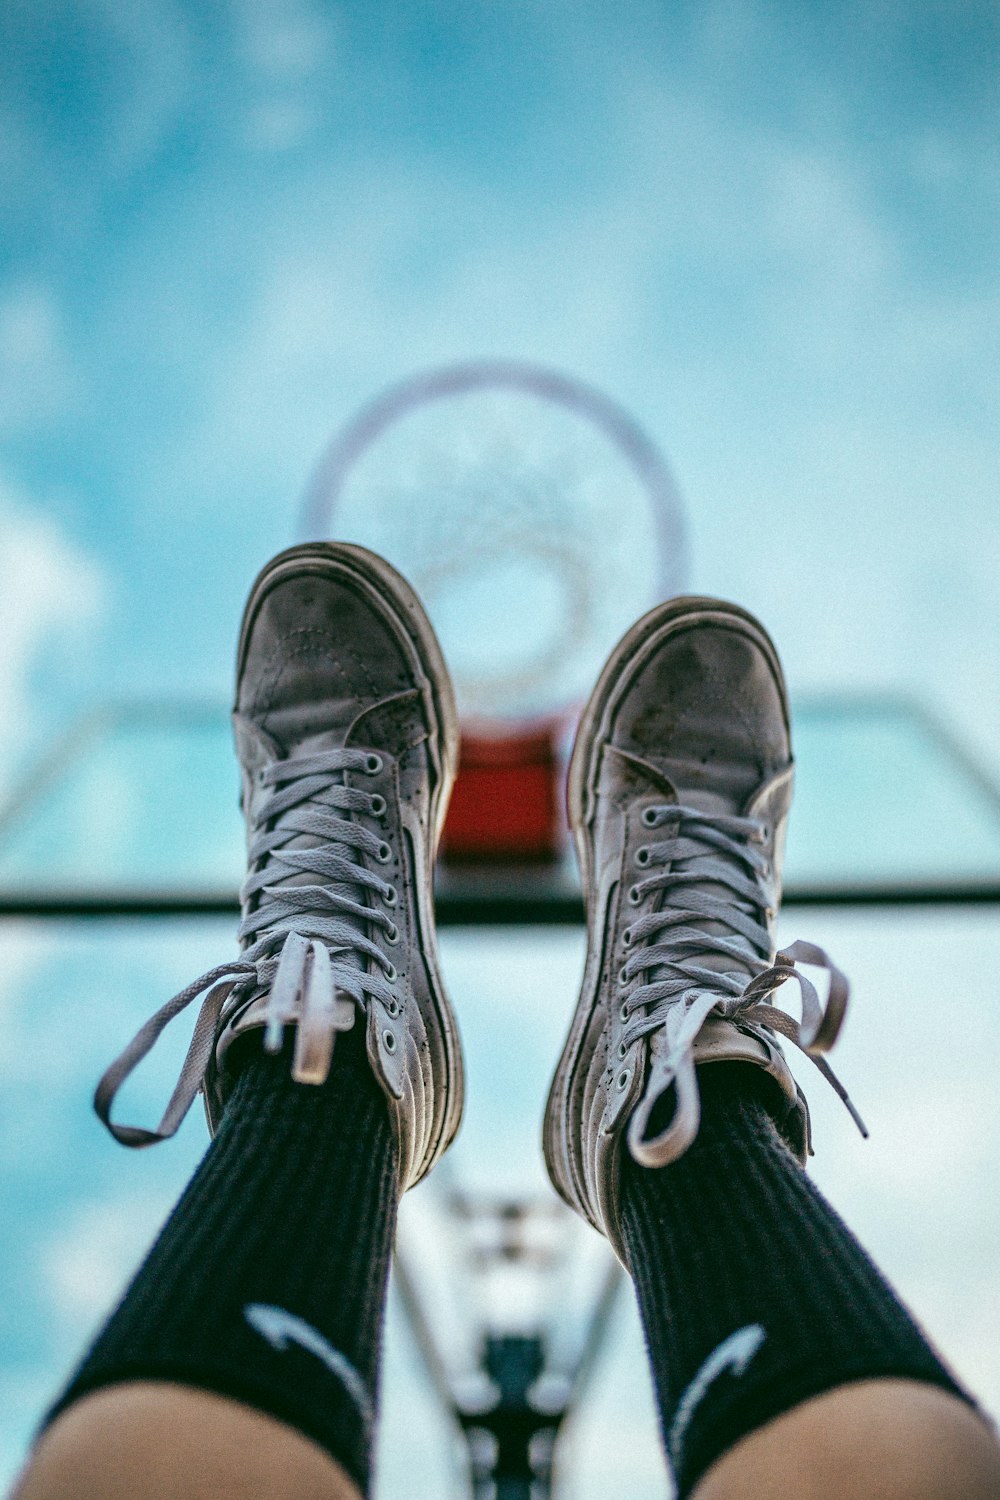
x=770, y=231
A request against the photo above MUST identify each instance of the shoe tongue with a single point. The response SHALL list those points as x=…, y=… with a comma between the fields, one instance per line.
x=713, y=789
x=708, y=789
x=302, y=730
x=715, y=802
x=712, y=786
x=315, y=744
x=704, y=800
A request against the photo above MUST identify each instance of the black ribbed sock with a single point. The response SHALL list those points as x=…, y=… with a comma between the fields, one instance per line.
x=267, y=1283
x=754, y=1295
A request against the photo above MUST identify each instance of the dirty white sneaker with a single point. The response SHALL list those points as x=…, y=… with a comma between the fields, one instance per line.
x=347, y=738
x=679, y=790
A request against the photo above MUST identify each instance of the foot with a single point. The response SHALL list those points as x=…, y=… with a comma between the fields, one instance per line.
x=679, y=790
x=347, y=739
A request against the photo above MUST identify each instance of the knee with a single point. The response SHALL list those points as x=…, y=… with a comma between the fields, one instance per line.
x=150, y=1441
x=876, y=1440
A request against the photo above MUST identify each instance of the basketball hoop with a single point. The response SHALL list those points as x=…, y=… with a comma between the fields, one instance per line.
x=536, y=520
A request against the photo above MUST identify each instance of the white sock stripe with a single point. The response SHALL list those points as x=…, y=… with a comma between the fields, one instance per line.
x=280, y=1328
x=734, y=1353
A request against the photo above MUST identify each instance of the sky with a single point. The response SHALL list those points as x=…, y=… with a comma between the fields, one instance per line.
x=768, y=229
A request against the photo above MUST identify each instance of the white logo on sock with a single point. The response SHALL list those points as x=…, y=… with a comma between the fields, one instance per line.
x=282, y=1328
x=734, y=1353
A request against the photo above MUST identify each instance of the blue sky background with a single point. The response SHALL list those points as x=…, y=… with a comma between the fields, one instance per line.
x=770, y=229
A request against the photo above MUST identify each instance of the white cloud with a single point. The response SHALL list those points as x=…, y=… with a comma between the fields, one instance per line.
x=86, y=1264
x=144, y=93
x=36, y=377
x=290, y=51
x=51, y=596
x=286, y=39
x=280, y=123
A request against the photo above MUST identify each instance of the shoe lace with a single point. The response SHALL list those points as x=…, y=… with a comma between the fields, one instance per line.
x=670, y=990
x=302, y=935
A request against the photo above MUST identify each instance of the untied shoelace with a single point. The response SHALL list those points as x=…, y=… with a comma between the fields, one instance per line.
x=304, y=944
x=711, y=849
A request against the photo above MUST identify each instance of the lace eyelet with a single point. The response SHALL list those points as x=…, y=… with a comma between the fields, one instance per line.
x=642, y=856
x=383, y=854
x=623, y=1079
x=392, y=1006
x=378, y=805
x=649, y=818
x=623, y=975
x=627, y=937
x=624, y=1012
x=622, y=1050
x=389, y=1040
x=634, y=896
x=391, y=933
x=390, y=895
x=390, y=973
x=373, y=764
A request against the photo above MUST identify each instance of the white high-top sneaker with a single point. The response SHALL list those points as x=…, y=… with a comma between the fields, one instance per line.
x=347, y=738
x=679, y=790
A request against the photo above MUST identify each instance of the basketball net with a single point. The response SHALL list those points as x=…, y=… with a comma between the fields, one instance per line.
x=536, y=521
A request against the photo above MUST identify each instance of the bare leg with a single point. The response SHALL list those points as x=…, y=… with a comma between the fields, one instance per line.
x=876, y=1440
x=181, y=1442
